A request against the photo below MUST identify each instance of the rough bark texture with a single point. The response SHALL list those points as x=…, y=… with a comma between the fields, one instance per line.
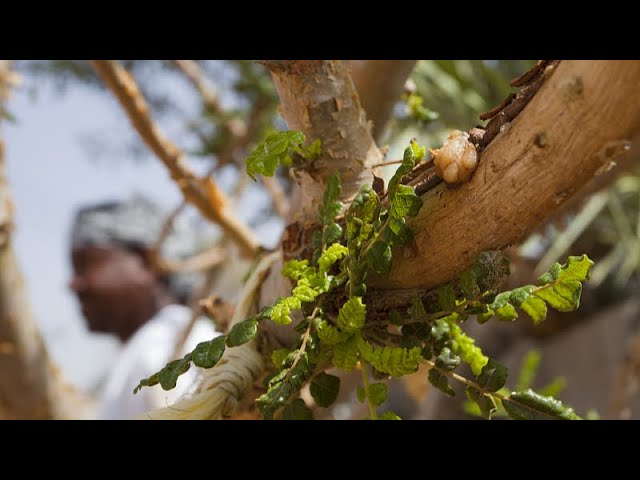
x=319, y=98
x=380, y=84
x=31, y=387
x=580, y=120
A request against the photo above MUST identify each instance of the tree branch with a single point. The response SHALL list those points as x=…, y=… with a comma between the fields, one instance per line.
x=379, y=84
x=204, y=193
x=318, y=98
x=31, y=387
x=580, y=120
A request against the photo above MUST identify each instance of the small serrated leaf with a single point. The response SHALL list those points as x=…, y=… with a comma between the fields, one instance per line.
x=535, y=308
x=207, y=354
x=352, y=315
x=297, y=410
x=378, y=393
x=147, y=382
x=324, y=389
x=493, y=376
x=529, y=405
x=447, y=360
x=168, y=376
x=389, y=416
x=278, y=356
x=446, y=298
x=561, y=286
x=345, y=354
x=486, y=403
x=242, y=332
x=379, y=257
x=440, y=381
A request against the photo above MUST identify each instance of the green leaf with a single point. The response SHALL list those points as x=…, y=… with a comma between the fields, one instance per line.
x=297, y=410
x=465, y=346
x=271, y=152
x=490, y=269
x=529, y=405
x=389, y=416
x=313, y=150
x=324, y=389
x=282, y=310
x=408, y=162
x=294, y=269
x=330, y=205
x=502, y=307
x=352, y=315
x=363, y=211
x=345, y=354
x=493, y=376
x=360, y=393
x=468, y=284
x=379, y=257
x=486, y=403
x=329, y=334
x=207, y=354
x=419, y=151
x=440, y=381
x=561, y=286
x=332, y=233
x=447, y=360
x=394, y=361
x=147, y=382
x=405, y=203
x=417, y=311
x=304, y=292
x=278, y=356
x=242, y=332
x=446, y=298
x=535, y=308
x=395, y=318
x=331, y=255
x=168, y=376
x=378, y=393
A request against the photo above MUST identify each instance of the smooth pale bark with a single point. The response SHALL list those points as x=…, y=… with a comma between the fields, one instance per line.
x=319, y=98
x=380, y=84
x=581, y=120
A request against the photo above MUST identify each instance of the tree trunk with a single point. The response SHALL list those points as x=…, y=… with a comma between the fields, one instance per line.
x=31, y=387
x=581, y=120
x=380, y=84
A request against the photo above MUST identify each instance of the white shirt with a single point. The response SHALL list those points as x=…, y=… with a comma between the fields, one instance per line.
x=146, y=353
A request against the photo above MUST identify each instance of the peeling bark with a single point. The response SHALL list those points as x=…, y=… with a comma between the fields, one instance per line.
x=319, y=98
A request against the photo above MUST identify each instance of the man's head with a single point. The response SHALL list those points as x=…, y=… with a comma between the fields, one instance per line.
x=117, y=285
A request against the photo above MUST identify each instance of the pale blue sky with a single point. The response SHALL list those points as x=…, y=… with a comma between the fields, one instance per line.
x=50, y=175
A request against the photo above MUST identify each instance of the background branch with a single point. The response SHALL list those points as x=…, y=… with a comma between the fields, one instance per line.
x=31, y=386
x=204, y=193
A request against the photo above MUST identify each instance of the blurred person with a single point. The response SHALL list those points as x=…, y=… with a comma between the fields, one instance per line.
x=120, y=292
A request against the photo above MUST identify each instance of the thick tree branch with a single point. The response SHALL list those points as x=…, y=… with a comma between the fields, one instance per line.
x=31, y=387
x=318, y=98
x=579, y=121
x=379, y=84
x=204, y=193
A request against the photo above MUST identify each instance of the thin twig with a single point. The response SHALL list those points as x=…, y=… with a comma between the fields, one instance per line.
x=204, y=193
x=196, y=76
